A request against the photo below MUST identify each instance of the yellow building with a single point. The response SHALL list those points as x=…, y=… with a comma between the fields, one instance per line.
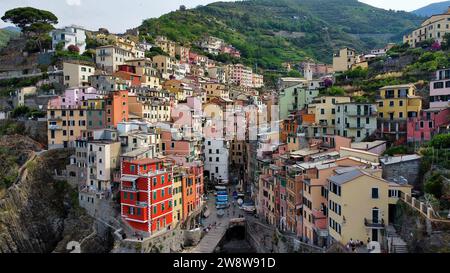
x=164, y=65
x=399, y=102
x=396, y=104
x=344, y=60
x=216, y=90
x=65, y=126
x=358, y=204
x=166, y=45
x=149, y=74
x=177, y=195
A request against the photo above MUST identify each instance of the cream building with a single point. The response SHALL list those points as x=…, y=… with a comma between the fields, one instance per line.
x=77, y=74
x=109, y=57
x=358, y=204
x=433, y=28
x=344, y=60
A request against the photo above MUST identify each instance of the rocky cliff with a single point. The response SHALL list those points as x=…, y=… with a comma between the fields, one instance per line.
x=39, y=214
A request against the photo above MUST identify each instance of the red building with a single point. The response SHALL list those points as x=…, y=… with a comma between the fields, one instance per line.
x=427, y=124
x=146, y=195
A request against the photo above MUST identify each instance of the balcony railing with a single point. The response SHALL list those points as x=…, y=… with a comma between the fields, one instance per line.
x=142, y=204
x=374, y=223
x=127, y=188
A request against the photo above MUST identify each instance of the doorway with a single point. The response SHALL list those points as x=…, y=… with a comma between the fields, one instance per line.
x=375, y=235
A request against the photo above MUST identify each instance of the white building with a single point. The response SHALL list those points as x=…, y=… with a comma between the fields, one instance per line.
x=216, y=159
x=103, y=158
x=71, y=35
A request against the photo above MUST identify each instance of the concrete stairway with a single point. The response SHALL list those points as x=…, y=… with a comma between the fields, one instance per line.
x=395, y=242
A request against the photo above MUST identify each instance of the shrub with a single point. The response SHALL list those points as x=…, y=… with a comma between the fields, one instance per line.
x=73, y=49
x=434, y=185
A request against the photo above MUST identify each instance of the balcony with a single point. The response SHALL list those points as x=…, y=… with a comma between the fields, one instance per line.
x=54, y=127
x=375, y=224
x=54, y=118
x=142, y=204
x=127, y=188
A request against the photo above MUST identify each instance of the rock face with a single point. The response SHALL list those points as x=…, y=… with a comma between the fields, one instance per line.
x=40, y=215
x=412, y=227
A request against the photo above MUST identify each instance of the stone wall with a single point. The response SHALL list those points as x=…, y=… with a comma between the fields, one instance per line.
x=168, y=242
x=408, y=169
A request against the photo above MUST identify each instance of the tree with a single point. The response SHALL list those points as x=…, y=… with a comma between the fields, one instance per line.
x=434, y=185
x=35, y=23
x=446, y=42
x=441, y=141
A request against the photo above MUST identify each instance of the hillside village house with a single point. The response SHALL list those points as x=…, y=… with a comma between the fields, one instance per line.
x=109, y=57
x=77, y=74
x=396, y=104
x=70, y=35
x=440, y=90
x=355, y=120
x=433, y=28
x=166, y=45
x=361, y=204
x=344, y=60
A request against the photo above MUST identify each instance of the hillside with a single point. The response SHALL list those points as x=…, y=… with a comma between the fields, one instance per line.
x=435, y=8
x=5, y=35
x=271, y=32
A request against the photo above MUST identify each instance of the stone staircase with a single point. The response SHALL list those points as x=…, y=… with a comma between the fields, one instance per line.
x=395, y=242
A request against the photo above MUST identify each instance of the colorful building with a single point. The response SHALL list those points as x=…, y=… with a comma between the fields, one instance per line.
x=427, y=124
x=146, y=195
x=359, y=204
x=295, y=97
x=440, y=90
x=395, y=105
x=355, y=120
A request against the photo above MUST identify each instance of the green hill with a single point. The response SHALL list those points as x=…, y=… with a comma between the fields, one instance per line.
x=6, y=35
x=273, y=31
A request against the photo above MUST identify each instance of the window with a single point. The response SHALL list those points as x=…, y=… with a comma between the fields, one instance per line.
x=132, y=168
x=131, y=196
x=154, y=182
x=154, y=195
x=374, y=193
x=438, y=85
x=125, y=195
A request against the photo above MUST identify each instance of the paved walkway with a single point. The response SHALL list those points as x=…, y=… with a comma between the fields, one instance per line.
x=210, y=241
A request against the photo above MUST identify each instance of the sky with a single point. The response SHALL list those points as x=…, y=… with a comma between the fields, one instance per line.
x=118, y=15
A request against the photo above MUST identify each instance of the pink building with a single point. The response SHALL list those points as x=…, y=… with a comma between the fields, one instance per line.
x=74, y=97
x=427, y=124
x=440, y=90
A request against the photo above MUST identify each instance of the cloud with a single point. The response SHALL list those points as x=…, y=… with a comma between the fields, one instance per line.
x=73, y=2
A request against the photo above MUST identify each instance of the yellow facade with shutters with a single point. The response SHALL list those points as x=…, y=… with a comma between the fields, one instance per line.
x=398, y=102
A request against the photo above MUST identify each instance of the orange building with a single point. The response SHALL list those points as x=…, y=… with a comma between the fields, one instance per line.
x=192, y=188
x=116, y=108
